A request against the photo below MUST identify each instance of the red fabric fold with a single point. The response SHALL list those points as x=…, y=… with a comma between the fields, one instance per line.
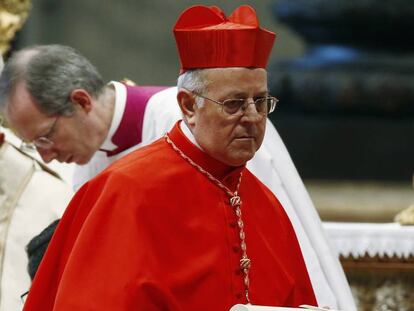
x=153, y=233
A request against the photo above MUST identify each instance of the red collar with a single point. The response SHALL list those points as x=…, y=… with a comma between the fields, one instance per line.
x=225, y=173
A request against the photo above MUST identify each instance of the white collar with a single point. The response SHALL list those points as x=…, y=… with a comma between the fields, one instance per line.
x=119, y=107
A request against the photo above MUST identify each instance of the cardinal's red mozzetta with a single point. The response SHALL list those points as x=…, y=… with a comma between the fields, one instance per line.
x=162, y=248
x=163, y=228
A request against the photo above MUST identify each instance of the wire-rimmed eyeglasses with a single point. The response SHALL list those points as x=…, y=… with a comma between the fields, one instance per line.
x=264, y=105
x=42, y=142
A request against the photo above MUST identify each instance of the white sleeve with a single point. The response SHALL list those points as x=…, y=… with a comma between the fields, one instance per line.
x=161, y=113
x=30, y=199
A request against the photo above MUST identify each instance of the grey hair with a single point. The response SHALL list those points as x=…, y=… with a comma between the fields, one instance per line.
x=195, y=81
x=51, y=73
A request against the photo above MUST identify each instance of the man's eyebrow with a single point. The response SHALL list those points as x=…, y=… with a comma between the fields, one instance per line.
x=262, y=93
x=242, y=94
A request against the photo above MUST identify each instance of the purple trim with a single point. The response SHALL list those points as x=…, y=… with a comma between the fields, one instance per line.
x=129, y=132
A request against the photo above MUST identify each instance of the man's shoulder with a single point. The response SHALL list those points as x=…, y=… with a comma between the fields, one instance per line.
x=139, y=155
x=255, y=183
x=149, y=91
x=147, y=160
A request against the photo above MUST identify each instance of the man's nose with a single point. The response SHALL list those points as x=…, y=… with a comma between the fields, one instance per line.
x=47, y=154
x=250, y=113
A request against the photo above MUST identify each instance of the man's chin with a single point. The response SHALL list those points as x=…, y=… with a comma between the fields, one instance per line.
x=81, y=161
x=240, y=160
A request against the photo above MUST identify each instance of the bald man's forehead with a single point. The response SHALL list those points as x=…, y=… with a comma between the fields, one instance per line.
x=20, y=104
x=24, y=56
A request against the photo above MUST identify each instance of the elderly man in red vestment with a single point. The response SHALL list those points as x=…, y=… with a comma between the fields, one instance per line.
x=181, y=224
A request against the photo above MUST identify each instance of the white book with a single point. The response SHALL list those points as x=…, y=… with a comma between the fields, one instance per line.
x=240, y=307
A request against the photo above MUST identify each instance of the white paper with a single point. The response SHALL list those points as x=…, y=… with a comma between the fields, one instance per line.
x=240, y=307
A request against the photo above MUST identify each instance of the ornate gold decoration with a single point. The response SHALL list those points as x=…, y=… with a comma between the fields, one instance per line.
x=13, y=14
x=128, y=82
x=406, y=216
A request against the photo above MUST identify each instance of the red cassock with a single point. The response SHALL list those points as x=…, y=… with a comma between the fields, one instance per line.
x=153, y=233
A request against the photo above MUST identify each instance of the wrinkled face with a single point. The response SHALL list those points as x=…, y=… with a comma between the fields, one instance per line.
x=71, y=135
x=231, y=139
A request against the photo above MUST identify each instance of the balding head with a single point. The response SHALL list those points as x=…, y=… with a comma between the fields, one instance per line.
x=13, y=72
x=53, y=93
x=50, y=73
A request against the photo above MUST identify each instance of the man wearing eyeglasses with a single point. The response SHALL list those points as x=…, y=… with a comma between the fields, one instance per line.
x=181, y=224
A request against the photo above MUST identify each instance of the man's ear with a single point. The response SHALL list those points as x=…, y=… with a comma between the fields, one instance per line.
x=187, y=102
x=82, y=98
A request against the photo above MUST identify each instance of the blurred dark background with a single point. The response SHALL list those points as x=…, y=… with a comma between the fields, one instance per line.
x=343, y=70
x=129, y=38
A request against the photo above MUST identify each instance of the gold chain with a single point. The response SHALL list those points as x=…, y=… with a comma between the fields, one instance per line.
x=235, y=202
